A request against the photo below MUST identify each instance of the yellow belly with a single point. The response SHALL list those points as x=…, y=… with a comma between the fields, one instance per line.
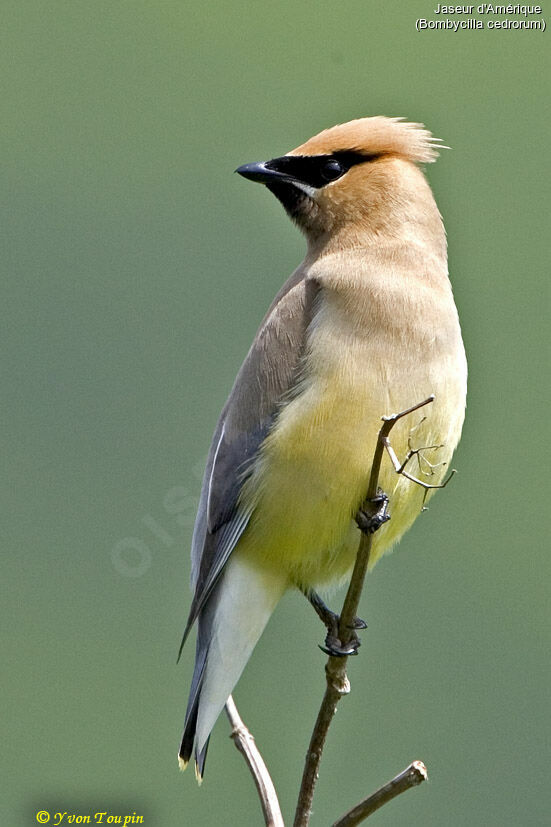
x=313, y=473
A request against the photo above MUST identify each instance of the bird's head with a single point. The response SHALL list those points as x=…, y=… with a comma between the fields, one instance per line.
x=355, y=177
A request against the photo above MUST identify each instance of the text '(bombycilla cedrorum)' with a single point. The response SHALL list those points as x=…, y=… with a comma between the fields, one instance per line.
x=365, y=326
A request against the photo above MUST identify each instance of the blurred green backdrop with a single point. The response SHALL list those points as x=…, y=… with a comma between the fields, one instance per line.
x=136, y=269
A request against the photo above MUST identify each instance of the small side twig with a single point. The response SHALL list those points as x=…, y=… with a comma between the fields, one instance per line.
x=337, y=683
x=246, y=745
x=400, y=467
x=413, y=775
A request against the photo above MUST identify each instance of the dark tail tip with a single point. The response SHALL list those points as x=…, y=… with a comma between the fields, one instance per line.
x=186, y=748
x=200, y=759
x=188, y=737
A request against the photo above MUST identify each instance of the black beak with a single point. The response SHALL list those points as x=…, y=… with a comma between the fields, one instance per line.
x=263, y=173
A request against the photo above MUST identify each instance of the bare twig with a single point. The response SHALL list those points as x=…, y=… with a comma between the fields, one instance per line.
x=246, y=745
x=413, y=775
x=335, y=669
x=399, y=467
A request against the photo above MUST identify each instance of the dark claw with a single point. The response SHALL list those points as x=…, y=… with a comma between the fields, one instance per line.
x=358, y=623
x=334, y=647
x=338, y=651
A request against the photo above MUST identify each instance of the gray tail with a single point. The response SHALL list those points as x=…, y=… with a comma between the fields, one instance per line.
x=230, y=623
x=190, y=726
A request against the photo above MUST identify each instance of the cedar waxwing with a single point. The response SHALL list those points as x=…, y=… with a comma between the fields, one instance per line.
x=366, y=326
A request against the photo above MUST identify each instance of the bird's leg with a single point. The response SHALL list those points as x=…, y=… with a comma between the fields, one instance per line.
x=369, y=521
x=333, y=644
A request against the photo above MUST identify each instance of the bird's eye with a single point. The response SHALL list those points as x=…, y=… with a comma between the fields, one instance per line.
x=332, y=169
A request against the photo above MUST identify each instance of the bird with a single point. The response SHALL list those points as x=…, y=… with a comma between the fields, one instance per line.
x=365, y=326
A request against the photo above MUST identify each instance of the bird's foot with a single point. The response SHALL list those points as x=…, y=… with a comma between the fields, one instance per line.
x=335, y=647
x=370, y=520
x=331, y=620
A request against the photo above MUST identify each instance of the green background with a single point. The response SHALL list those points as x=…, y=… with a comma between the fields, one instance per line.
x=136, y=269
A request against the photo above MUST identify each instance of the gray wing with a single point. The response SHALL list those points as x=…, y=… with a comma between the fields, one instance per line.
x=269, y=371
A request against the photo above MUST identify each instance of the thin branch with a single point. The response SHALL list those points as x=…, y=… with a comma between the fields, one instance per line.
x=400, y=467
x=246, y=745
x=335, y=669
x=413, y=775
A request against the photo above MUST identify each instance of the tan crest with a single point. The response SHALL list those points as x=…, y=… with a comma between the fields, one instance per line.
x=375, y=136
